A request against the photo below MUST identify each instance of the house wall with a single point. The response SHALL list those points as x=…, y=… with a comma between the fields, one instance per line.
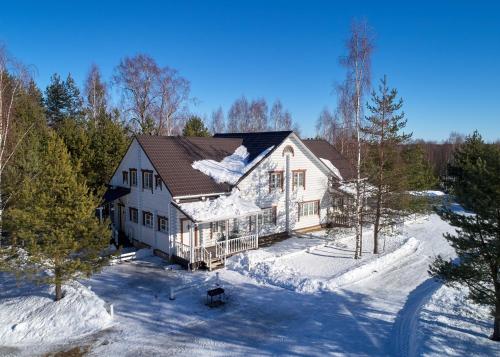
x=256, y=187
x=156, y=201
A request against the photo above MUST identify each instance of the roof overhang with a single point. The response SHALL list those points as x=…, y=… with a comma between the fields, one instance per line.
x=114, y=193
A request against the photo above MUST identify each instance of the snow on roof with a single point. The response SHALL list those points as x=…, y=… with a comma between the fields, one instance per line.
x=329, y=164
x=219, y=209
x=428, y=193
x=231, y=168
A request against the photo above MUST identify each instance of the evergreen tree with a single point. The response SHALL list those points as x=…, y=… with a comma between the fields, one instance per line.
x=53, y=224
x=62, y=100
x=383, y=166
x=195, y=127
x=475, y=170
x=419, y=173
x=108, y=141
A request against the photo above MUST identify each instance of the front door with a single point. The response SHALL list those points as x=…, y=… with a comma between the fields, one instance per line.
x=185, y=225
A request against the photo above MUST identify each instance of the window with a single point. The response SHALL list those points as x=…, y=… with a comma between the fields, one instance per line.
x=275, y=180
x=288, y=150
x=298, y=179
x=218, y=229
x=147, y=219
x=133, y=214
x=125, y=177
x=162, y=224
x=268, y=216
x=147, y=180
x=308, y=208
x=133, y=177
x=158, y=184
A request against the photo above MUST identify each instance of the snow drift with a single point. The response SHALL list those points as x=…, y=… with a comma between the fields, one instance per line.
x=231, y=168
x=35, y=317
x=266, y=268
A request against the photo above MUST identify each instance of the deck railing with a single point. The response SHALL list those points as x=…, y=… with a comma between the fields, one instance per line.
x=182, y=251
x=235, y=245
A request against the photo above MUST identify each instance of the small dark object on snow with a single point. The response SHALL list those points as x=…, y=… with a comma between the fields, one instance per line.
x=215, y=297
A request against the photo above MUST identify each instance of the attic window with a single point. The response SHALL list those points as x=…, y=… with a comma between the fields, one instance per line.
x=288, y=150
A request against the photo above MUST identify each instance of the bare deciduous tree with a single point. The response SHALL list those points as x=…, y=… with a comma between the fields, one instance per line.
x=155, y=98
x=357, y=63
x=95, y=93
x=281, y=119
x=258, y=116
x=238, y=114
x=218, y=123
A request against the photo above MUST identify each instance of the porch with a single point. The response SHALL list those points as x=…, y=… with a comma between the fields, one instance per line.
x=213, y=230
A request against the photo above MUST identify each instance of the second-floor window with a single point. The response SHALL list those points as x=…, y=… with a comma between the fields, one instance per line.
x=147, y=180
x=133, y=214
x=275, y=181
x=298, y=179
x=147, y=219
x=158, y=182
x=133, y=177
x=125, y=177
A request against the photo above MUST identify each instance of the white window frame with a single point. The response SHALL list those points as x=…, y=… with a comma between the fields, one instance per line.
x=162, y=224
x=275, y=179
x=308, y=209
x=299, y=179
x=147, y=219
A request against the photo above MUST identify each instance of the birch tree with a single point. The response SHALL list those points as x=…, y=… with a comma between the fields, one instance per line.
x=13, y=77
x=280, y=118
x=218, y=124
x=358, y=64
x=95, y=93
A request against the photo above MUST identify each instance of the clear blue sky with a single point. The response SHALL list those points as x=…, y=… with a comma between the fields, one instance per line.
x=443, y=56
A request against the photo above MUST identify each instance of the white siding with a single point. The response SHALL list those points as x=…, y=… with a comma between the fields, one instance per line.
x=256, y=187
x=156, y=202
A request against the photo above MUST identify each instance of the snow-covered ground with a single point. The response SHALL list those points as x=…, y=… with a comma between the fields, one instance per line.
x=287, y=299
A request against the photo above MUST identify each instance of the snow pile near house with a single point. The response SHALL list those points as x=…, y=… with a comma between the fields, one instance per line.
x=231, y=168
x=329, y=164
x=32, y=316
x=450, y=316
x=268, y=268
x=220, y=208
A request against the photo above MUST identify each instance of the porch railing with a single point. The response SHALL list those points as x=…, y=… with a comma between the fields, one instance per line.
x=235, y=245
x=182, y=251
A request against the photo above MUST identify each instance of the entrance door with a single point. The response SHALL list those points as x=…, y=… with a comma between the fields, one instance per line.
x=185, y=224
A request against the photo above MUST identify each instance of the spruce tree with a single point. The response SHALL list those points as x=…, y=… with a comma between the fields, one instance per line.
x=383, y=165
x=53, y=226
x=475, y=184
x=195, y=127
x=419, y=173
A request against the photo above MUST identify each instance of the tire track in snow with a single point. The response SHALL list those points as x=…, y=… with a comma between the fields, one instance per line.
x=404, y=333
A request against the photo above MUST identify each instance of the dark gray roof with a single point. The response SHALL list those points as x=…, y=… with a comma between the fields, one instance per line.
x=323, y=149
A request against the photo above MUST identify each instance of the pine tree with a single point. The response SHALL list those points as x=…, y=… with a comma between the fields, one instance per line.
x=383, y=132
x=195, y=127
x=62, y=100
x=475, y=170
x=53, y=225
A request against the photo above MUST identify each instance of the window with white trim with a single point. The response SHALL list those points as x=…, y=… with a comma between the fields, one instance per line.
x=298, y=179
x=309, y=209
x=162, y=224
x=147, y=219
x=147, y=180
x=275, y=180
x=133, y=214
x=267, y=216
x=133, y=177
x=125, y=177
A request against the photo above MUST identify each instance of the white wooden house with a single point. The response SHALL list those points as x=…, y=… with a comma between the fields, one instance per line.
x=201, y=199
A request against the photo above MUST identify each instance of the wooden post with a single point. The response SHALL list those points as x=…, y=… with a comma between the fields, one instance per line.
x=191, y=248
x=227, y=237
x=257, y=228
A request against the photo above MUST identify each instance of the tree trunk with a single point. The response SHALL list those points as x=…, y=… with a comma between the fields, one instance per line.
x=496, y=323
x=58, y=282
